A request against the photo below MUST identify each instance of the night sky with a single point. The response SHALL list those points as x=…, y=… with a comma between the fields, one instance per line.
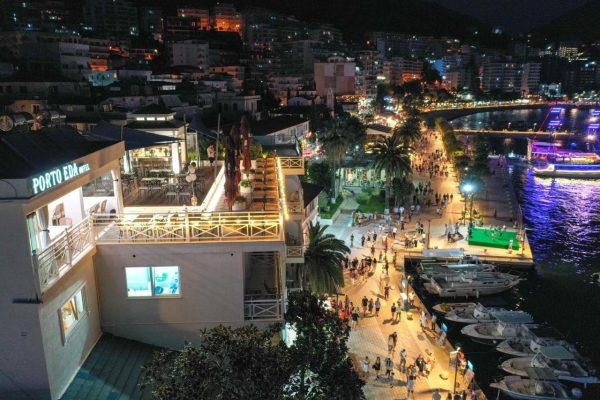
x=513, y=15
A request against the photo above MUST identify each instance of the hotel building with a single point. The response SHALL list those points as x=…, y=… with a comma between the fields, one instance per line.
x=81, y=257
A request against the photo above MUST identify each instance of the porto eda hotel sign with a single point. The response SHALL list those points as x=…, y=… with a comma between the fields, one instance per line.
x=55, y=177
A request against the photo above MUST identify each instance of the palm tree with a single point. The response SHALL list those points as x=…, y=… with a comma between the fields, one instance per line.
x=323, y=260
x=392, y=156
x=335, y=143
x=409, y=131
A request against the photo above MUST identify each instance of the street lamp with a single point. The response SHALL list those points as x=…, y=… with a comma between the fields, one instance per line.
x=455, y=369
x=468, y=189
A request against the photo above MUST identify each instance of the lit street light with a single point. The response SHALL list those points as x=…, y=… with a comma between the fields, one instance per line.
x=468, y=189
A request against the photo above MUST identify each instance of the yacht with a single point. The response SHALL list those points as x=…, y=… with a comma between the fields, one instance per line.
x=444, y=308
x=532, y=341
x=508, y=325
x=549, y=160
x=479, y=313
x=471, y=284
x=429, y=270
x=532, y=388
x=563, y=362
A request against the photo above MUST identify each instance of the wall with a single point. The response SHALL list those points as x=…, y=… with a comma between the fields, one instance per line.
x=22, y=365
x=63, y=359
x=211, y=283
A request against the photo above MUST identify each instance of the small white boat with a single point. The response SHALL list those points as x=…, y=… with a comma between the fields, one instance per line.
x=508, y=325
x=562, y=362
x=445, y=308
x=479, y=313
x=518, y=388
x=532, y=341
x=472, y=284
x=436, y=269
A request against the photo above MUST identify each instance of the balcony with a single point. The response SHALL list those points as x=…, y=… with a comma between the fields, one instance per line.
x=294, y=254
x=291, y=165
x=185, y=227
x=265, y=308
x=63, y=253
x=295, y=210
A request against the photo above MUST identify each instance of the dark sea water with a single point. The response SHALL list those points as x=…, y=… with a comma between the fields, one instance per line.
x=562, y=217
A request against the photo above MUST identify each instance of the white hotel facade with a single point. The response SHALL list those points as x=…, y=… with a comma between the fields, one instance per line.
x=76, y=262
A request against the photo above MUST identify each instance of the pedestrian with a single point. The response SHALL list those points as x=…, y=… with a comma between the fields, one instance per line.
x=411, y=299
x=352, y=240
x=371, y=306
x=433, y=321
x=365, y=304
x=402, y=365
x=377, y=307
x=423, y=321
x=362, y=241
x=394, y=340
x=373, y=251
x=398, y=311
x=354, y=318
x=436, y=395
x=374, y=237
x=386, y=292
x=393, y=311
x=410, y=387
x=390, y=344
x=366, y=366
x=377, y=367
x=386, y=266
x=389, y=367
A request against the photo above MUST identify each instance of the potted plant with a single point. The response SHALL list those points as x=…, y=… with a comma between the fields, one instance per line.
x=245, y=187
x=249, y=174
x=239, y=204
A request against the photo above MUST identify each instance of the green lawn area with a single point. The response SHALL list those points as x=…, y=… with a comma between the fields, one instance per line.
x=332, y=208
x=370, y=203
x=483, y=237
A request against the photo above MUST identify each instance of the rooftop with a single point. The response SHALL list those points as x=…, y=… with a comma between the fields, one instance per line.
x=272, y=125
x=111, y=371
x=168, y=124
x=153, y=109
x=25, y=154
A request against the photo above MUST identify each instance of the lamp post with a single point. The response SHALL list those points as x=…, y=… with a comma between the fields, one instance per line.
x=428, y=232
x=455, y=369
x=467, y=189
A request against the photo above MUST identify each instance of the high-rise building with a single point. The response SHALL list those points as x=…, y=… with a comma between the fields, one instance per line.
x=568, y=50
x=337, y=75
x=510, y=77
x=151, y=21
x=201, y=15
x=227, y=18
x=189, y=52
x=112, y=17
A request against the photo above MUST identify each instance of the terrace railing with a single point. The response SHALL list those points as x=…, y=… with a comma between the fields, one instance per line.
x=261, y=308
x=63, y=252
x=292, y=165
x=186, y=226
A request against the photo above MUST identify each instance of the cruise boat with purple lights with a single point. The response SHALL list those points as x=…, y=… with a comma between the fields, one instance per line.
x=550, y=160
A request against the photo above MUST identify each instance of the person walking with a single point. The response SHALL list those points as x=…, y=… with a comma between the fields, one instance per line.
x=362, y=241
x=351, y=240
x=393, y=311
x=390, y=343
x=377, y=307
x=436, y=395
x=394, y=340
x=354, y=318
x=398, y=311
x=410, y=386
x=389, y=367
x=423, y=321
x=366, y=366
x=402, y=365
x=377, y=367
x=371, y=306
x=433, y=321
x=373, y=251
x=386, y=292
x=365, y=304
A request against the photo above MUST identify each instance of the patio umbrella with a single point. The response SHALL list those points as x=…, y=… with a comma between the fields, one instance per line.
x=245, y=135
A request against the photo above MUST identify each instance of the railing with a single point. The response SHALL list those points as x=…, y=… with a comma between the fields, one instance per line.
x=186, y=227
x=295, y=208
x=294, y=251
x=263, y=308
x=292, y=163
x=59, y=256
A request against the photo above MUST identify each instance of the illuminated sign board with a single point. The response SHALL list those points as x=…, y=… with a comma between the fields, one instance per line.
x=55, y=177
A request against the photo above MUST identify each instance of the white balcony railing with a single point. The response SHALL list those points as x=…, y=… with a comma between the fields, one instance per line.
x=294, y=251
x=187, y=227
x=292, y=164
x=63, y=252
x=263, y=309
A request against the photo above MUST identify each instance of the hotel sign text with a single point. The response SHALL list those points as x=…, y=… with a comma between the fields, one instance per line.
x=55, y=177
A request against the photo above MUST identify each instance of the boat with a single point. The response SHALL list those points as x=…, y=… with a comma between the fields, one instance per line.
x=472, y=284
x=549, y=160
x=533, y=388
x=508, y=325
x=428, y=270
x=532, y=341
x=479, y=313
x=563, y=362
x=444, y=308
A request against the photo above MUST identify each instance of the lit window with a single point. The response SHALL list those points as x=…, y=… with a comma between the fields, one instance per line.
x=72, y=312
x=152, y=281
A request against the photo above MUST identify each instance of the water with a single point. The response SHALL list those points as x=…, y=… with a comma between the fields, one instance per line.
x=563, y=221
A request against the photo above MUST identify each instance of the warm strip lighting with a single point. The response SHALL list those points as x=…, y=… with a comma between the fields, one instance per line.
x=282, y=189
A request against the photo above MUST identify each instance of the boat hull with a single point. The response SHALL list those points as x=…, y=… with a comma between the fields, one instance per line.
x=558, y=173
x=524, y=396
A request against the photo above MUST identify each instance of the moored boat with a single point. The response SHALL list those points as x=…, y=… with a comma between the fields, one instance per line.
x=532, y=341
x=508, y=325
x=519, y=388
x=479, y=313
x=473, y=284
x=445, y=308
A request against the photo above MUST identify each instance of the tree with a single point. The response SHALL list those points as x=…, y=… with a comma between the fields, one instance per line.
x=393, y=157
x=241, y=363
x=319, y=173
x=323, y=260
x=335, y=143
x=320, y=351
x=409, y=131
x=481, y=152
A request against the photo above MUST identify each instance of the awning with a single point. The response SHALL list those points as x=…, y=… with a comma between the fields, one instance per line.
x=133, y=138
x=198, y=125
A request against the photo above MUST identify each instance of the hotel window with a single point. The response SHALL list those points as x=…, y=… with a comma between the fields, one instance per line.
x=152, y=281
x=72, y=312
